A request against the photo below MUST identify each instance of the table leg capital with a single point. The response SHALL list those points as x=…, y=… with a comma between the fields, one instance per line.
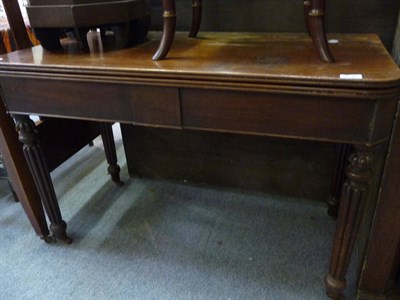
x=27, y=134
x=359, y=169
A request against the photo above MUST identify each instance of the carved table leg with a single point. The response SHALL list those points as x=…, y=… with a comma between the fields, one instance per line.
x=354, y=195
x=342, y=153
x=37, y=165
x=317, y=31
x=196, y=18
x=111, y=155
x=168, y=30
x=18, y=170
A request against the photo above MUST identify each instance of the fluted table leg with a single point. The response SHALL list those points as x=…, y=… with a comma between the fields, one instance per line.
x=315, y=23
x=37, y=165
x=111, y=155
x=196, y=18
x=354, y=195
x=168, y=30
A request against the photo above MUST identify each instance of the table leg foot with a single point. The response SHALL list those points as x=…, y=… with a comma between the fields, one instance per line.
x=352, y=202
x=38, y=167
x=168, y=30
x=334, y=288
x=49, y=239
x=317, y=31
x=196, y=18
x=111, y=155
x=114, y=170
x=59, y=232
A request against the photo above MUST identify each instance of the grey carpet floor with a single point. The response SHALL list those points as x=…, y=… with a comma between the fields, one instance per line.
x=154, y=239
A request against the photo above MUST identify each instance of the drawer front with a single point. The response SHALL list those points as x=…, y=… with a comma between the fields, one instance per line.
x=149, y=106
x=156, y=106
x=97, y=101
x=309, y=117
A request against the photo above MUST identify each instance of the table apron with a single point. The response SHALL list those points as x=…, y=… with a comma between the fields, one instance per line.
x=314, y=117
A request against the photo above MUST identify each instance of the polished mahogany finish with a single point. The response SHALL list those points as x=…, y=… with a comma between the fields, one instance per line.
x=242, y=83
x=314, y=11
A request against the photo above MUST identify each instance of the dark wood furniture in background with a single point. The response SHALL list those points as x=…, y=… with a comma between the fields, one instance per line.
x=129, y=20
x=272, y=90
x=60, y=139
x=314, y=11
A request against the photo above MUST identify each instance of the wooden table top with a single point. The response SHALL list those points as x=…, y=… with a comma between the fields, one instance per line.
x=221, y=59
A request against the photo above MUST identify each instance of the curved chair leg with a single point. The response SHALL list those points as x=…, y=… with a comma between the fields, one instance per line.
x=168, y=30
x=196, y=18
x=317, y=31
x=307, y=8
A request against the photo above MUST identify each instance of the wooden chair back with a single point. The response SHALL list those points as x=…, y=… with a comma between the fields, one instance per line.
x=17, y=24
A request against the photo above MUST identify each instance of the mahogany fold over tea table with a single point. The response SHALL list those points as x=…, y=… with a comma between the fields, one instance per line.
x=242, y=83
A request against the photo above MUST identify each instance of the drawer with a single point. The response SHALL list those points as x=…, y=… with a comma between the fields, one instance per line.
x=156, y=106
x=284, y=115
x=70, y=99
